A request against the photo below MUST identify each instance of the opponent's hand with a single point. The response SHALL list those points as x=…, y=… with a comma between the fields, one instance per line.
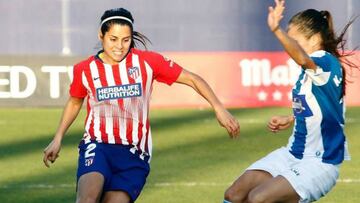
x=276, y=14
x=51, y=152
x=277, y=123
x=227, y=121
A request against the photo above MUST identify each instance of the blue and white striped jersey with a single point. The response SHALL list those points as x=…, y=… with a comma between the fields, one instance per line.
x=319, y=112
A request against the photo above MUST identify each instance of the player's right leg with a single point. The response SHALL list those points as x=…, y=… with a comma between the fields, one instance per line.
x=93, y=172
x=240, y=189
x=89, y=188
x=116, y=197
x=258, y=173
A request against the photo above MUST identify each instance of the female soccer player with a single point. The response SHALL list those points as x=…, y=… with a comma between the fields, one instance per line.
x=115, y=151
x=308, y=167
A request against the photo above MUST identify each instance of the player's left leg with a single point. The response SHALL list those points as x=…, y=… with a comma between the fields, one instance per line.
x=277, y=189
x=129, y=173
x=116, y=197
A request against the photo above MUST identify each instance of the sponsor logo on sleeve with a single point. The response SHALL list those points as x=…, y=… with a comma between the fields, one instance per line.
x=337, y=80
x=171, y=63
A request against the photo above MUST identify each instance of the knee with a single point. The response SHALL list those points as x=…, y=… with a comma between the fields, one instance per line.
x=232, y=195
x=87, y=199
x=256, y=197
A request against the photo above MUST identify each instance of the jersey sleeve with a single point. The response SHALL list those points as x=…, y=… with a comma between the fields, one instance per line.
x=77, y=89
x=322, y=73
x=164, y=70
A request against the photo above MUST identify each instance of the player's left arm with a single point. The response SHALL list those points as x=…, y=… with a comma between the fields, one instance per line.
x=277, y=123
x=202, y=87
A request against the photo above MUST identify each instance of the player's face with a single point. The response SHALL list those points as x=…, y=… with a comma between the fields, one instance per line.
x=116, y=43
x=300, y=38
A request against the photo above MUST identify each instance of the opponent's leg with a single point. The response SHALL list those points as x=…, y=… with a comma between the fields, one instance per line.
x=277, y=189
x=240, y=189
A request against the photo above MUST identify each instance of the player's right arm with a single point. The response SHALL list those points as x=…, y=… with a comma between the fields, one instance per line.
x=71, y=110
x=277, y=123
x=295, y=51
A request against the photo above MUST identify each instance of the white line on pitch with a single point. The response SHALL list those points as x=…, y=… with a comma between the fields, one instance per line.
x=158, y=184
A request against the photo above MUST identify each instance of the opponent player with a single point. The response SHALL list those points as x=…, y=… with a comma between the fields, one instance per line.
x=115, y=151
x=308, y=167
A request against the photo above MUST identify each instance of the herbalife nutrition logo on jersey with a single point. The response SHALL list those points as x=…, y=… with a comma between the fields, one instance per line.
x=118, y=92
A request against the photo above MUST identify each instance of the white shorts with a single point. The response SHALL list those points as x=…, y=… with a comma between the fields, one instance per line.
x=310, y=177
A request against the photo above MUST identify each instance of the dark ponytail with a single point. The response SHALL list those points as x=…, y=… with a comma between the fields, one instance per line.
x=311, y=22
x=138, y=37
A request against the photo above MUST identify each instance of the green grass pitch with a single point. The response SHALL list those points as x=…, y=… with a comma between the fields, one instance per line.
x=193, y=158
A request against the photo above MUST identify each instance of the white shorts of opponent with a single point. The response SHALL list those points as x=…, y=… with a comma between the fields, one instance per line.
x=310, y=177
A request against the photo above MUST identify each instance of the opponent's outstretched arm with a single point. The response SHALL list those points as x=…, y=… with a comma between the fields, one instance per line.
x=201, y=87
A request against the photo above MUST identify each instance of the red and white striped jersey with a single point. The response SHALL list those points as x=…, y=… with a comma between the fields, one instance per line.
x=119, y=96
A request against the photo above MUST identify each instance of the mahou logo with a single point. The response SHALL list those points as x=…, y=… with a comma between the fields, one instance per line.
x=258, y=72
x=272, y=83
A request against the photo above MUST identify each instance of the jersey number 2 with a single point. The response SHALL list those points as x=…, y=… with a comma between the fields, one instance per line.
x=89, y=150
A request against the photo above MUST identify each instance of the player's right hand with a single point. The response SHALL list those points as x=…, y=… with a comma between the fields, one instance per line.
x=276, y=14
x=51, y=152
x=229, y=122
x=277, y=123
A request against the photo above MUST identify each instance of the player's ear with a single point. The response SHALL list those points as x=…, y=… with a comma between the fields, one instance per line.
x=100, y=36
x=315, y=40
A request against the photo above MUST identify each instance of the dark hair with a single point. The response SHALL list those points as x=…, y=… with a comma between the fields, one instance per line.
x=311, y=22
x=121, y=12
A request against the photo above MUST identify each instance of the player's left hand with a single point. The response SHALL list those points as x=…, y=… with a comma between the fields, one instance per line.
x=277, y=123
x=227, y=121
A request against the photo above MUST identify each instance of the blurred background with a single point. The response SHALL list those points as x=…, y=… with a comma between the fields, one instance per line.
x=69, y=27
x=227, y=42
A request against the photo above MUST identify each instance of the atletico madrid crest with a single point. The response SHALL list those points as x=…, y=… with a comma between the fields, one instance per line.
x=89, y=161
x=134, y=72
